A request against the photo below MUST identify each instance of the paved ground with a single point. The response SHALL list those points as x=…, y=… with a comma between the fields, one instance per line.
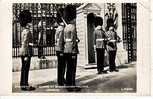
x=87, y=79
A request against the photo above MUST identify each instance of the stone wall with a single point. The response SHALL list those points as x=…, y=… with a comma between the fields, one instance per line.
x=36, y=63
x=80, y=24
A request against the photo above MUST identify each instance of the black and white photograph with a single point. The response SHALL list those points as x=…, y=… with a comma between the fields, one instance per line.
x=74, y=47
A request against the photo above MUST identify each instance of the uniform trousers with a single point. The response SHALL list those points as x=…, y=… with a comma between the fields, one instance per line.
x=100, y=59
x=71, y=62
x=112, y=56
x=60, y=68
x=25, y=70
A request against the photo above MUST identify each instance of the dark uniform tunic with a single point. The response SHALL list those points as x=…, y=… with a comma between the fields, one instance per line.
x=26, y=53
x=113, y=38
x=99, y=40
x=70, y=53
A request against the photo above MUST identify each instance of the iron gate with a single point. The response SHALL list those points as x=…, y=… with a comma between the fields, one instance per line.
x=40, y=12
x=130, y=30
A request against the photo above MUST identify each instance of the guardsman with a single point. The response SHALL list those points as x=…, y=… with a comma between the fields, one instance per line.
x=26, y=49
x=113, y=39
x=70, y=53
x=59, y=46
x=41, y=39
x=70, y=47
x=99, y=41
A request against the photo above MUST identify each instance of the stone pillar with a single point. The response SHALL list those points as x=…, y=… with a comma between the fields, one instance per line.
x=122, y=56
x=102, y=14
x=81, y=26
x=120, y=27
x=85, y=39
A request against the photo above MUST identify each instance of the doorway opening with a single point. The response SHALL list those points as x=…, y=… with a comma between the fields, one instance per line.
x=90, y=35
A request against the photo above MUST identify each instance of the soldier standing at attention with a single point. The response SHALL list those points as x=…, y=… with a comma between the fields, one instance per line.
x=113, y=39
x=26, y=52
x=59, y=46
x=99, y=46
x=71, y=45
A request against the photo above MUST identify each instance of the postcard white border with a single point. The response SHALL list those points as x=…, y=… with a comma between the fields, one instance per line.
x=143, y=47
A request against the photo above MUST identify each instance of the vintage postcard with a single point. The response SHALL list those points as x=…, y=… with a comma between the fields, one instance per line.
x=100, y=47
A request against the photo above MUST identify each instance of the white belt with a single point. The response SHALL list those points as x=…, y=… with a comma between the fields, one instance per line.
x=112, y=40
x=99, y=39
x=68, y=40
x=57, y=39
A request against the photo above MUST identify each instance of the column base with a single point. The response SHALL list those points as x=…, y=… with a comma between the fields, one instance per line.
x=121, y=57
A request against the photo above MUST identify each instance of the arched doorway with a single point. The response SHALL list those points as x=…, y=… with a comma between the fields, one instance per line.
x=85, y=28
x=90, y=33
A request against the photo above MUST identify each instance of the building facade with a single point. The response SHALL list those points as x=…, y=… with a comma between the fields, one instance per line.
x=85, y=28
x=123, y=16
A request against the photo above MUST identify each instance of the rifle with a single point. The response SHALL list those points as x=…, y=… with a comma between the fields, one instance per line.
x=61, y=16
